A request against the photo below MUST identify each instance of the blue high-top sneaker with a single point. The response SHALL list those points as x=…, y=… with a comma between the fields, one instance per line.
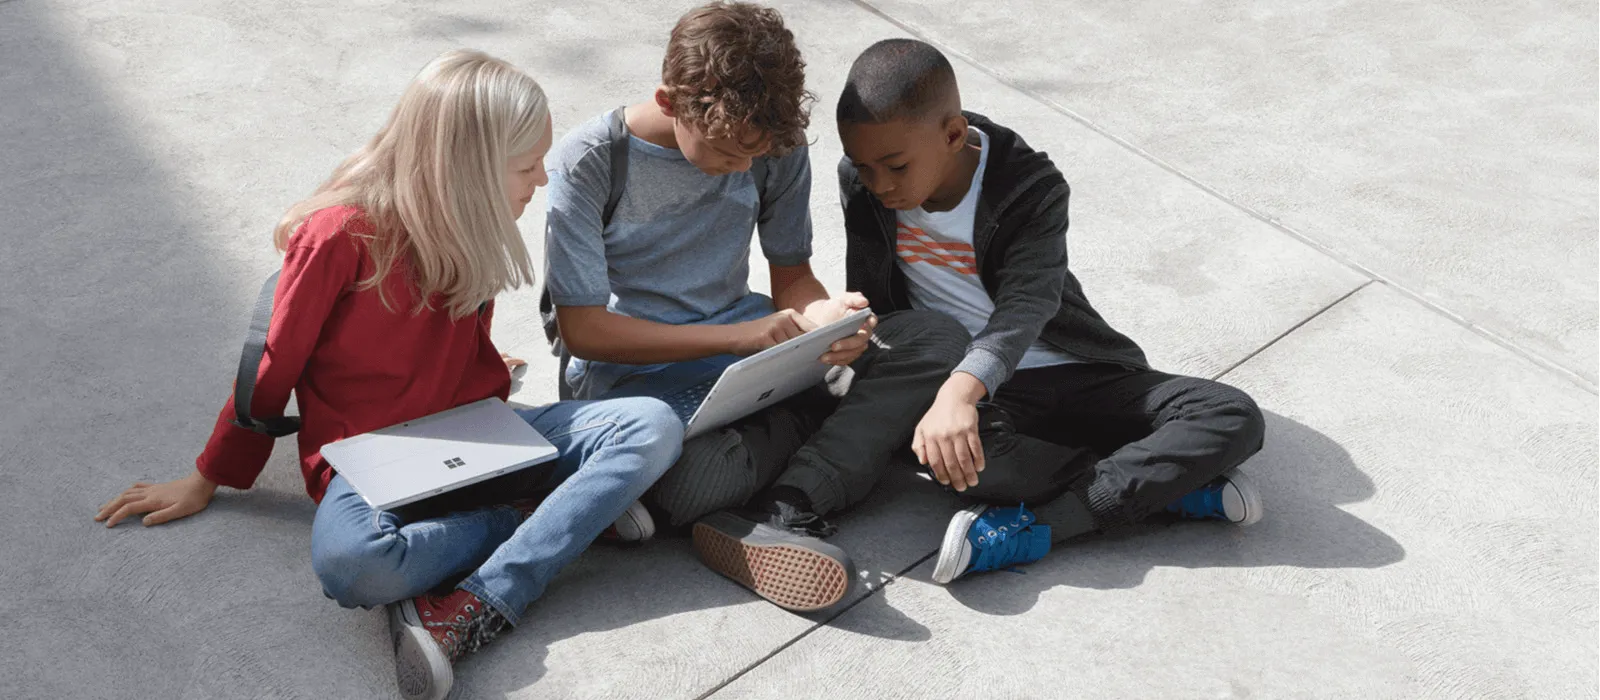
x=1232, y=497
x=982, y=538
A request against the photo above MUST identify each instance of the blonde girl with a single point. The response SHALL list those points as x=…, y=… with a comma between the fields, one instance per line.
x=382, y=315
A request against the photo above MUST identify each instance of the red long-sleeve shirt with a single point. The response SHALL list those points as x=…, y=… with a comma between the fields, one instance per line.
x=354, y=365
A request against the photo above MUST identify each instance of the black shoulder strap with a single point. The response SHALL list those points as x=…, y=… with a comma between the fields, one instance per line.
x=618, y=135
x=617, y=143
x=244, y=385
x=758, y=171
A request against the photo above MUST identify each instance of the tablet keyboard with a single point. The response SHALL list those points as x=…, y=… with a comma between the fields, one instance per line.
x=685, y=402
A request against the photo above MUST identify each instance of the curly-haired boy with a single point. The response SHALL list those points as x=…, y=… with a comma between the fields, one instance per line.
x=651, y=211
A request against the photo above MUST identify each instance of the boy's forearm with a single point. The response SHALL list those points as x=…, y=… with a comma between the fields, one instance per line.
x=801, y=295
x=796, y=288
x=963, y=387
x=595, y=333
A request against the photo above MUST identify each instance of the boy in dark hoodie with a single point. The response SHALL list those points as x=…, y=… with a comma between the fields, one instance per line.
x=946, y=210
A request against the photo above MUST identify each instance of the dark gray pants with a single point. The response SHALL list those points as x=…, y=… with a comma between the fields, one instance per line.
x=1126, y=442
x=833, y=442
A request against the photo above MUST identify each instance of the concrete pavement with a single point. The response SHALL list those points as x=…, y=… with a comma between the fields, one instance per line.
x=1378, y=218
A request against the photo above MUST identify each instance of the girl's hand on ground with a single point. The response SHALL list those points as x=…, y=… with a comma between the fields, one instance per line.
x=164, y=502
x=846, y=351
x=512, y=363
x=947, y=442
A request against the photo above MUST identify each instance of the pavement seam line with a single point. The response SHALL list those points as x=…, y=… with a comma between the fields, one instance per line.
x=1483, y=332
x=1291, y=329
x=896, y=577
x=824, y=623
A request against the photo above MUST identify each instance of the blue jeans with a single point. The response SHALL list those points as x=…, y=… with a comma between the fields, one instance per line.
x=610, y=453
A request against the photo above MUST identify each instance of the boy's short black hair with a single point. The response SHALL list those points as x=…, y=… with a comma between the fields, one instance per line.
x=899, y=79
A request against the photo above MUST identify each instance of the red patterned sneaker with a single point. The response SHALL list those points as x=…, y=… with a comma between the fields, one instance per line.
x=431, y=633
x=526, y=506
x=793, y=571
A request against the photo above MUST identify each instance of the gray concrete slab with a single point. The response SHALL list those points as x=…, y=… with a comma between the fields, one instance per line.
x=1199, y=284
x=1158, y=265
x=152, y=149
x=661, y=625
x=1448, y=147
x=1430, y=533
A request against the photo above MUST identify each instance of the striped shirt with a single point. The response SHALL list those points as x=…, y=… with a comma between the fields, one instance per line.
x=934, y=251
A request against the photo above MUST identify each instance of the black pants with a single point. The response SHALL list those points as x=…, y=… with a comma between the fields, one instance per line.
x=832, y=443
x=1127, y=442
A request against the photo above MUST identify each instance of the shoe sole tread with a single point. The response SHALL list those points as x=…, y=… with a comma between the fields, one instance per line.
x=793, y=577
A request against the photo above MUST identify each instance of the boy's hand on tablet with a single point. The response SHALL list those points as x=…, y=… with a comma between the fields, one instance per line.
x=825, y=311
x=752, y=337
x=946, y=439
x=844, y=352
x=164, y=502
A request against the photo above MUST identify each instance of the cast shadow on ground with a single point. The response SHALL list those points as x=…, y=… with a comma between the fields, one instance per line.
x=1304, y=477
x=612, y=587
x=1303, y=474
x=283, y=506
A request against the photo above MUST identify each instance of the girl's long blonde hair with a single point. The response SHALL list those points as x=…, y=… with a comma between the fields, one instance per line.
x=432, y=182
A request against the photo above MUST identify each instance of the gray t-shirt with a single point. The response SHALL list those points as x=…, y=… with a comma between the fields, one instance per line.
x=677, y=249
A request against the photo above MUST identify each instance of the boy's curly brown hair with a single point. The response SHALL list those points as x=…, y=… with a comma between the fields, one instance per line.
x=733, y=65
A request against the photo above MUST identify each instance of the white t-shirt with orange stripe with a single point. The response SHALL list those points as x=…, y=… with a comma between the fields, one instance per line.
x=934, y=250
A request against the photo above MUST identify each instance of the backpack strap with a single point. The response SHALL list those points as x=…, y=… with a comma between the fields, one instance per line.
x=617, y=143
x=617, y=138
x=758, y=170
x=244, y=385
x=618, y=134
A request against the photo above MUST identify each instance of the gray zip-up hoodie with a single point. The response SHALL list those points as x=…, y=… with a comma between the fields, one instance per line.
x=1019, y=235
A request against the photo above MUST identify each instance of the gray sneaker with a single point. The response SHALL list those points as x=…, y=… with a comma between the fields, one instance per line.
x=793, y=571
x=633, y=527
x=431, y=633
x=421, y=668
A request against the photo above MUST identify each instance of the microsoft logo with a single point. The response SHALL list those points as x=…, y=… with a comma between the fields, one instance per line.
x=454, y=462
